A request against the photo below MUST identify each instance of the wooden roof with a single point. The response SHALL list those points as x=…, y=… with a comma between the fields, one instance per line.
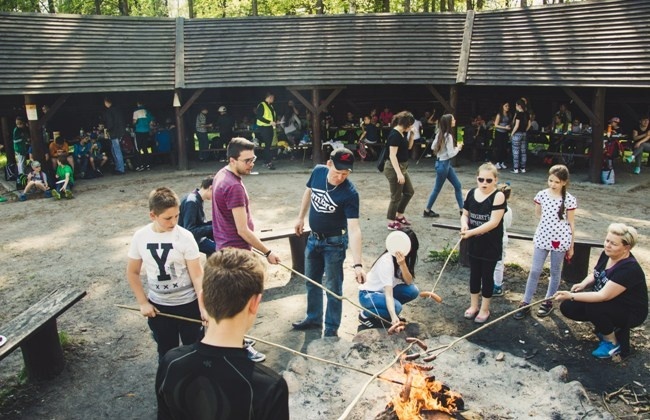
x=591, y=43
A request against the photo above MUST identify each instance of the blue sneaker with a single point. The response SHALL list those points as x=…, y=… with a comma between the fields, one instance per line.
x=629, y=159
x=22, y=197
x=497, y=291
x=606, y=350
x=637, y=170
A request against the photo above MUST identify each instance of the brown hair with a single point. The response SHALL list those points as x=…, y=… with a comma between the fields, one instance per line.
x=562, y=173
x=404, y=118
x=161, y=199
x=232, y=276
x=444, y=128
x=238, y=145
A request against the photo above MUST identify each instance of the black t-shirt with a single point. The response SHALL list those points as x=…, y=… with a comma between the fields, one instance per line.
x=217, y=383
x=399, y=140
x=488, y=246
x=226, y=123
x=331, y=206
x=523, y=121
x=372, y=132
x=627, y=273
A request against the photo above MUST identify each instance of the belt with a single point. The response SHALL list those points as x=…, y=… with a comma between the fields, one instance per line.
x=322, y=235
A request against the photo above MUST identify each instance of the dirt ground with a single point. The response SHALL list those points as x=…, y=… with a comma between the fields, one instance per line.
x=111, y=358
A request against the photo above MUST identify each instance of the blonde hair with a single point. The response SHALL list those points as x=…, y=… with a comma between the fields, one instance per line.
x=505, y=189
x=488, y=166
x=627, y=233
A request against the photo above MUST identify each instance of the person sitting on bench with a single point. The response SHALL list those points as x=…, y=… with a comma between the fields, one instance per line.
x=619, y=295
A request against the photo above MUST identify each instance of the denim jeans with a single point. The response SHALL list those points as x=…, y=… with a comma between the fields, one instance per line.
x=519, y=147
x=118, y=160
x=207, y=246
x=375, y=302
x=325, y=256
x=444, y=171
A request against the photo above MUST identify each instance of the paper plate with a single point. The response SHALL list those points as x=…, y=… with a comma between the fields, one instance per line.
x=398, y=241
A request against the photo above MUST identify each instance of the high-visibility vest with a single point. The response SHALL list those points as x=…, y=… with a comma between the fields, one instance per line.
x=269, y=115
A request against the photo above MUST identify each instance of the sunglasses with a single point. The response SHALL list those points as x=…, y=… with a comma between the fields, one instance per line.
x=482, y=180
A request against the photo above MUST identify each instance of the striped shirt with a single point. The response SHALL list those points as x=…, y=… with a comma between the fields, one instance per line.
x=228, y=193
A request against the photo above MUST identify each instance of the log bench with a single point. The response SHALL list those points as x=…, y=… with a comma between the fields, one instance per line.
x=35, y=332
x=573, y=272
x=297, y=244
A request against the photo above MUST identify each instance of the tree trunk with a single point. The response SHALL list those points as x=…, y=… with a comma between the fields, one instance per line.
x=450, y=6
x=469, y=4
x=319, y=7
x=407, y=6
x=190, y=8
x=479, y=4
x=223, y=6
x=98, y=7
x=443, y=6
x=123, y=5
x=50, y=6
x=254, y=8
x=386, y=6
x=524, y=4
x=352, y=6
x=426, y=6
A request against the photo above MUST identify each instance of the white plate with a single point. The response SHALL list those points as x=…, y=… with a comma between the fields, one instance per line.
x=398, y=241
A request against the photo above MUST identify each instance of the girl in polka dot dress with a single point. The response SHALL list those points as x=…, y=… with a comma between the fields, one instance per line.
x=554, y=235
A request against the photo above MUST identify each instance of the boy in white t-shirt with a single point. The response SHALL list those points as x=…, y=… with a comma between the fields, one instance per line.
x=173, y=271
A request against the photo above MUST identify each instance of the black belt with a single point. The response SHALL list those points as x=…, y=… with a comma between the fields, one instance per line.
x=322, y=235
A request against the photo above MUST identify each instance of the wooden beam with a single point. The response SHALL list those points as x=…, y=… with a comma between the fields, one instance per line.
x=302, y=99
x=441, y=99
x=179, y=63
x=463, y=61
x=597, y=128
x=583, y=107
x=315, y=124
x=323, y=106
x=181, y=147
x=35, y=133
x=53, y=109
x=631, y=111
x=190, y=101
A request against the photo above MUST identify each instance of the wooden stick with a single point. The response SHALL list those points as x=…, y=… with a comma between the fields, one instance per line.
x=341, y=298
x=445, y=265
x=354, y=402
x=290, y=350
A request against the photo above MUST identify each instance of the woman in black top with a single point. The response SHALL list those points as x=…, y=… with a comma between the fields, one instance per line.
x=396, y=170
x=619, y=293
x=482, y=225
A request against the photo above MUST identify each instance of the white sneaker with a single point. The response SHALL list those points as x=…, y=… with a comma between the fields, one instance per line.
x=503, y=166
x=498, y=165
x=515, y=171
x=522, y=171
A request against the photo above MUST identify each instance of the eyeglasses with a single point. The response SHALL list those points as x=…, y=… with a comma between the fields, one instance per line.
x=482, y=180
x=249, y=160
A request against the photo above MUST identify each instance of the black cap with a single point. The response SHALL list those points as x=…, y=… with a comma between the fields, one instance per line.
x=342, y=158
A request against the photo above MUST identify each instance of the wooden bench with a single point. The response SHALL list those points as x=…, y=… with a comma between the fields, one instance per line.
x=573, y=272
x=35, y=332
x=297, y=244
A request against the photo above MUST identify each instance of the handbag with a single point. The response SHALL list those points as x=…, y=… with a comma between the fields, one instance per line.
x=381, y=162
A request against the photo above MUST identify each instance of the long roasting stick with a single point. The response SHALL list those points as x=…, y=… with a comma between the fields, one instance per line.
x=290, y=350
x=341, y=298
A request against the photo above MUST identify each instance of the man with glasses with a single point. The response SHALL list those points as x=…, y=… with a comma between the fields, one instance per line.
x=232, y=224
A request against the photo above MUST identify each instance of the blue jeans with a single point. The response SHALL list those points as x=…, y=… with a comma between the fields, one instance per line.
x=207, y=246
x=325, y=256
x=375, y=302
x=118, y=160
x=445, y=171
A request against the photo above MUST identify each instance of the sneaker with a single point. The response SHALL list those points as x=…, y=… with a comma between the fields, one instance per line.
x=629, y=159
x=56, y=194
x=545, y=309
x=521, y=314
x=515, y=171
x=497, y=165
x=497, y=291
x=249, y=343
x=47, y=194
x=606, y=350
x=255, y=355
x=522, y=171
x=22, y=197
x=270, y=166
x=139, y=168
x=503, y=166
x=403, y=221
x=394, y=225
x=330, y=333
x=366, y=322
x=637, y=170
x=430, y=213
x=68, y=194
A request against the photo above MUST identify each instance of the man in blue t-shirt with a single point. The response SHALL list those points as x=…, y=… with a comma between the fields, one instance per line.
x=333, y=204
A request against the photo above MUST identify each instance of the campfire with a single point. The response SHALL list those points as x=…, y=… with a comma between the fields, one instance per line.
x=422, y=397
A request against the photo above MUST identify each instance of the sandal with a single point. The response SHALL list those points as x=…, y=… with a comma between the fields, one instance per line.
x=469, y=314
x=481, y=319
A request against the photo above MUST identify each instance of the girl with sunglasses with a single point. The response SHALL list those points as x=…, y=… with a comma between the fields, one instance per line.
x=482, y=226
x=554, y=234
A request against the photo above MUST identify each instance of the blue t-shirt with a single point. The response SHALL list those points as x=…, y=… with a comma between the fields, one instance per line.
x=331, y=206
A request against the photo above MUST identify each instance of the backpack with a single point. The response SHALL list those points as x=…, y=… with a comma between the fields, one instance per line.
x=613, y=149
x=127, y=145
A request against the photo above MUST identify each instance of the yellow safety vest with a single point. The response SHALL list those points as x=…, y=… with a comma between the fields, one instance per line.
x=269, y=115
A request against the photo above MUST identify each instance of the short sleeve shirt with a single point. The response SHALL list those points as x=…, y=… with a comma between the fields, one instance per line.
x=164, y=256
x=382, y=274
x=627, y=273
x=331, y=206
x=553, y=233
x=228, y=193
x=399, y=140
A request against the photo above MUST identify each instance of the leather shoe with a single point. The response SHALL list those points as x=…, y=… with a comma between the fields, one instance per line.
x=306, y=324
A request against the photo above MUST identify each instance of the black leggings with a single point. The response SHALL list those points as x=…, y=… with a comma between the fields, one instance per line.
x=604, y=315
x=166, y=331
x=481, y=276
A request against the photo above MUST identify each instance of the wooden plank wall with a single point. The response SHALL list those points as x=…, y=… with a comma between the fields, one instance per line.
x=593, y=43
x=43, y=54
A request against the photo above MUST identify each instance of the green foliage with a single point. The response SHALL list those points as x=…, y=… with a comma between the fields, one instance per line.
x=64, y=339
x=442, y=255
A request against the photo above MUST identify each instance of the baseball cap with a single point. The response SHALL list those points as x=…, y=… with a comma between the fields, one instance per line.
x=615, y=119
x=342, y=158
x=36, y=164
x=222, y=108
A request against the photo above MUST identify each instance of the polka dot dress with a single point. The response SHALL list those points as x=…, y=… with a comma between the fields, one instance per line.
x=553, y=234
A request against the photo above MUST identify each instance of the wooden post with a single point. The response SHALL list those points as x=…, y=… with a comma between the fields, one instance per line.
x=315, y=124
x=35, y=133
x=181, y=145
x=453, y=103
x=598, y=127
x=42, y=353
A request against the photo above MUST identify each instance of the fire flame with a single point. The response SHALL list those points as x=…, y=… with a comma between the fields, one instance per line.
x=425, y=394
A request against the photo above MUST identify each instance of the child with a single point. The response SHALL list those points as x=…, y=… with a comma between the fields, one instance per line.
x=37, y=179
x=20, y=138
x=507, y=222
x=554, y=234
x=389, y=285
x=82, y=155
x=59, y=147
x=97, y=158
x=174, y=274
x=64, y=178
x=482, y=225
